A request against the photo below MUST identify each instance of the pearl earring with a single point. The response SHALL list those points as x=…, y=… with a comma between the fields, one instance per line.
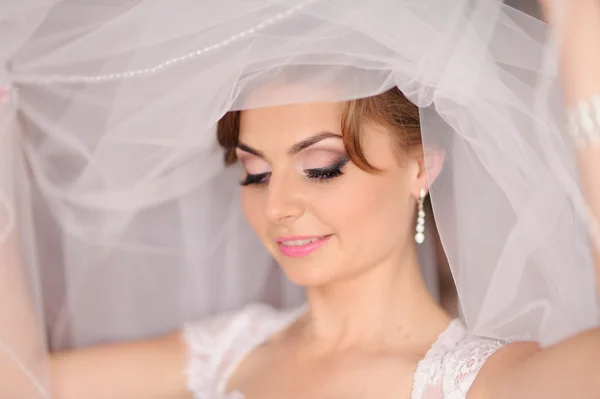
x=420, y=230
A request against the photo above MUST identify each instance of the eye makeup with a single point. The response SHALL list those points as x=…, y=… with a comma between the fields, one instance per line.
x=319, y=174
x=328, y=172
x=315, y=161
x=258, y=179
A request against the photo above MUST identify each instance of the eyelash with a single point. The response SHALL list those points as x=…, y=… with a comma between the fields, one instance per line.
x=321, y=174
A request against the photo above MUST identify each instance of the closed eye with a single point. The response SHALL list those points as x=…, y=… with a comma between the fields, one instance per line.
x=326, y=173
x=329, y=172
x=257, y=179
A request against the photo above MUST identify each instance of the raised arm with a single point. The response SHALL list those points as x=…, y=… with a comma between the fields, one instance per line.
x=181, y=365
x=23, y=357
x=142, y=370
x=570, y=369
x=147, y=369
x=581, y=80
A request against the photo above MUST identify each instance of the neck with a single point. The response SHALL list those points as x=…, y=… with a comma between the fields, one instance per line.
x=388, y=302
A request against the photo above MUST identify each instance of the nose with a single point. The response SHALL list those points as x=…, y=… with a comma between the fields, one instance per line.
x=284, y=204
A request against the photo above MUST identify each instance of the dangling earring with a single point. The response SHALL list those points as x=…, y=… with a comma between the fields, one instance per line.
x=420, y=235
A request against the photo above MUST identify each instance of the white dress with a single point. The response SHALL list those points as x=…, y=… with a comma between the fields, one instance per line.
x=218, y=345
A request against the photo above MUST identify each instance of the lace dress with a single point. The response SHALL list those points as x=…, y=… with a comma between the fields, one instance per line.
x=218, y=345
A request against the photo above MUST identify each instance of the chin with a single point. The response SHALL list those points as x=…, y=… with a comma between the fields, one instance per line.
x=307, y=273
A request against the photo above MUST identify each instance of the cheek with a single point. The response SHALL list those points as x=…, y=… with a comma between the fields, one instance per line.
x=371, y=210
x=253, y=205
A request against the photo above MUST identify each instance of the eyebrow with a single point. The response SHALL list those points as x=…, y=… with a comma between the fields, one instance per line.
x=296, y=148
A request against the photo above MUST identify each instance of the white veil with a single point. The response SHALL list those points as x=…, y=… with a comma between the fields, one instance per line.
x=112, y=170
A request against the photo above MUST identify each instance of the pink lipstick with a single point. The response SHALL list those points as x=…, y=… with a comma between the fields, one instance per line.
x=297, y=247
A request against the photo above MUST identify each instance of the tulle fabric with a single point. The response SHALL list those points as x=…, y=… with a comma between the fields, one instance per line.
x=116, y=182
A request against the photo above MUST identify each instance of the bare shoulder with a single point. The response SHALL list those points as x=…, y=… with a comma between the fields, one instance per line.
x=499, y=367
x=566, y=369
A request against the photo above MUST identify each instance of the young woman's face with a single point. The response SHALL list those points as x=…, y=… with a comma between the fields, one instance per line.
x=320, y=216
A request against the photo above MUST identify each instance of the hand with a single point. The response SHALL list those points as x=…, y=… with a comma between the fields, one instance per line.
x=576, y=24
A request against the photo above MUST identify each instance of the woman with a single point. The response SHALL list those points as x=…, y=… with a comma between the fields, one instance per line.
x=331, y=189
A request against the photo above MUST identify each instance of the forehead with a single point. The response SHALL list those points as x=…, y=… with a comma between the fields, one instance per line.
x=274, y=125
x=306, y=108
x=294, y=120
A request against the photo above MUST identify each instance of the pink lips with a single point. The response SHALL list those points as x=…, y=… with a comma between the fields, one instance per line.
x=298, y=249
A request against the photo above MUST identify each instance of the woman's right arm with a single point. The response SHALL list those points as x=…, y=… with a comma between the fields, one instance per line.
x=23, y=356
x=146, y=369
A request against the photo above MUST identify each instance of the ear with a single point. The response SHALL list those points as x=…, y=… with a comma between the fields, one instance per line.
x=430, y=166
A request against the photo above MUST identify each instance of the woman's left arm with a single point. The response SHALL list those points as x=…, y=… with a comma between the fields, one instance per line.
x=571, y=368
x=580, y=70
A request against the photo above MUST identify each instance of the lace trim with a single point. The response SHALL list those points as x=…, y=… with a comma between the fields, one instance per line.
x=445, y=342
x=218, y=346
x=462, y=366
x=198, y=362
x=453, y=362
x=207, y=342
x=254, y=336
